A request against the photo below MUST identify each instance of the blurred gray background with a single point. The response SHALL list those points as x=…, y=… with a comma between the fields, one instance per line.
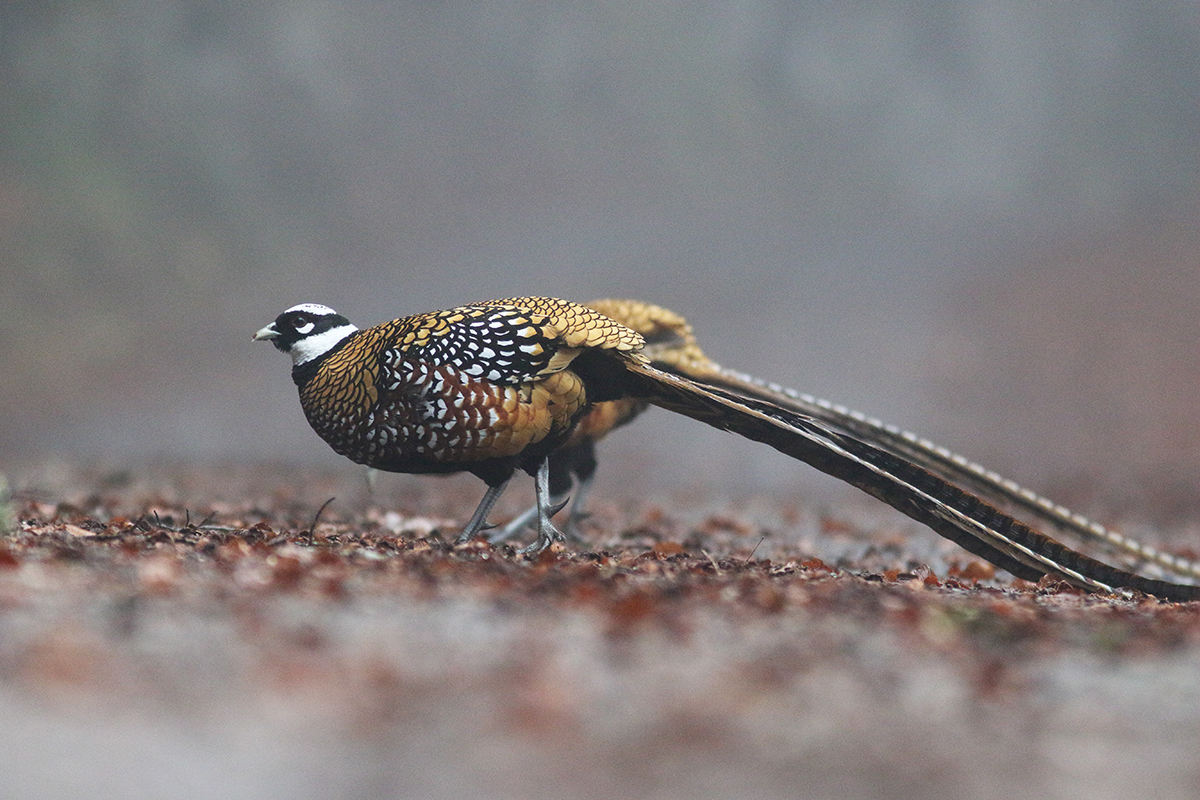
x=976, y=219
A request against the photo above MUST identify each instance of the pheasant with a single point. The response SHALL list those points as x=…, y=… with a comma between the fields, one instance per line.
x=499, y=386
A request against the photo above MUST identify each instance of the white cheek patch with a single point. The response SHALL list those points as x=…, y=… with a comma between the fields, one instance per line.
x=313, y=346
x=304, y=329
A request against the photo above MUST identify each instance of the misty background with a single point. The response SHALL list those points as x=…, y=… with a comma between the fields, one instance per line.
x=974, y=219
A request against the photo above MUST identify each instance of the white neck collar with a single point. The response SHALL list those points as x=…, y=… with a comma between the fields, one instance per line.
x=312, y=347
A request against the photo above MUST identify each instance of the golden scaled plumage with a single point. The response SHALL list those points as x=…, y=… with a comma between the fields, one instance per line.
x=667, y=337
x=578, y=325
x=342, y=392
x=549, y=406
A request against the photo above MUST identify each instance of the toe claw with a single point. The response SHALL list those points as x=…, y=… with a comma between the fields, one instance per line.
x=557, y=507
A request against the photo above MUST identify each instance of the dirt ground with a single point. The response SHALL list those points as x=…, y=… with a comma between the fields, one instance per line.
x=177, y=632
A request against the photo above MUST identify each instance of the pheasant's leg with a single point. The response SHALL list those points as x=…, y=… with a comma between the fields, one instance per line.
x=562, y=465
x=526, y=518
x=479, y=518
x=547, y=533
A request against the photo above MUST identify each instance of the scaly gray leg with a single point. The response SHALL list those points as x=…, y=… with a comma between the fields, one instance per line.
x=479, y=518
x=547, y=533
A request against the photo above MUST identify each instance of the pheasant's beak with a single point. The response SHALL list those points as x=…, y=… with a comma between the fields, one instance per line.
x=268, y=332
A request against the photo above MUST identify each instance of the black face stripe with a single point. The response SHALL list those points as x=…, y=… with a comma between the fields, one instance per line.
x=293, y=326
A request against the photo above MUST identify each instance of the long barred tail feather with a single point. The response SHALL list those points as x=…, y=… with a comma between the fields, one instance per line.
x=911, y=489
x=950, y=467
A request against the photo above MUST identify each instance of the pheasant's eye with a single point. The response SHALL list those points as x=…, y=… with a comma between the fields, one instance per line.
x=299, y=321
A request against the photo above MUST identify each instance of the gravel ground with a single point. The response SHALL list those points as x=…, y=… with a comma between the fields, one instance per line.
x=178, y=632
